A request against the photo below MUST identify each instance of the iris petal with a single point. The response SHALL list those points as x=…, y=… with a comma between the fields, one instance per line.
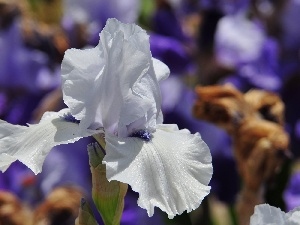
x=114, y=85
x=31, y=144
x=162, y=71
x=265, y=214
x=171, y=171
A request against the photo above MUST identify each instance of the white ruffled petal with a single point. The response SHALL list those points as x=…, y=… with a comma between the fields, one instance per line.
x=162, y=71
x=293, y=217
x=171, y=171
x=81, y=78
x=31, y=144
x=265, y=214
x=114, y=85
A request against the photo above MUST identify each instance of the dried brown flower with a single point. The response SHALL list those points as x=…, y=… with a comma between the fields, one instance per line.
x=255, y=122
x=222, y=105
x=13, y=211
x=267, y=104
x=259, y=146
x=60, y=207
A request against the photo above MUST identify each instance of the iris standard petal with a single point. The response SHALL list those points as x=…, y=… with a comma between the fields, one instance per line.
x=31, y=144
x=171, y=171
x=81, y=77
x=116, y=83
x=162, y=71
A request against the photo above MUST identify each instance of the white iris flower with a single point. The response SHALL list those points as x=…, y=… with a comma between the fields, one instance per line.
x=113, y=88
x=265, y=214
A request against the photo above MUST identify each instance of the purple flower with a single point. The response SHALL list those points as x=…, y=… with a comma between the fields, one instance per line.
x=24, y=66
x=94, y=14
x=170, y=51
x=290, y=29
x=165, y=22
x=225, y=6
x=291, y=194
x=242, y=45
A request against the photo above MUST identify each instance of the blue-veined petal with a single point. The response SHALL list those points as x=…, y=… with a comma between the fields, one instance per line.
x=31, y=144
x=171, y=171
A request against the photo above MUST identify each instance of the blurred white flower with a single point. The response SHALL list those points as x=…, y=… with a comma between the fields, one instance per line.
x=114, y=88
x=265, y=214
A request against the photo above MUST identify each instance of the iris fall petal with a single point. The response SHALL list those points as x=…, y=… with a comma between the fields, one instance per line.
x=171, y=171
x=31, y=144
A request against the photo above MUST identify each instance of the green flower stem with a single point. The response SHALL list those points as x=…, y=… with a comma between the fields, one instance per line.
x=101, y=141
x=85, y=216
x=108, y=196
